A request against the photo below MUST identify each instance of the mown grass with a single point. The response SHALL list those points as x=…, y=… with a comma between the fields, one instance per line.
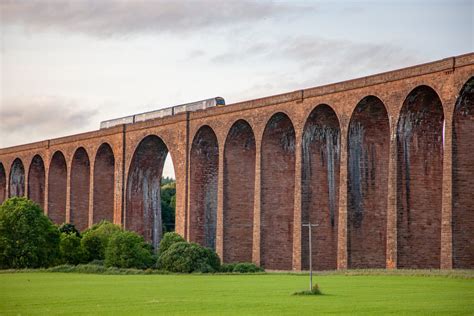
x=270, y=294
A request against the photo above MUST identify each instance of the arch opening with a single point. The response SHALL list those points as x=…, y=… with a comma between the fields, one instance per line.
x=80, y=183
x=239, y=184
x=57, y=185
x=104, y=180
x=143, y=199
x=320, y=183
x=367, y=184
x=277, y=193
x=419, y=180
x=17, y=178
x=203, y=192
x=463, y=179
x=3, y=184
x=36, y=180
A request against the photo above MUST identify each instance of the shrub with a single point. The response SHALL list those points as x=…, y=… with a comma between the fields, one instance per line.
x=69, y=228
x=127, y=249
x=70, y=248
x=169, y=239
x=95, y=239
x=227, y=267
x=247, y=267
x=28, y=239
x=187, y=257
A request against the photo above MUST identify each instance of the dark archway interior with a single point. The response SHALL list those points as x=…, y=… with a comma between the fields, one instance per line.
x=368, y=157
x=36, y=180
x=3, y=184
x=277, y=193
x=463, y=179
x=239, y=184
x=204, y=175
x=57, y=185
x=17, y=178
x=104, y=177
x=419, y=180
x=143, y=213
x=320, y=183
x=80, y=184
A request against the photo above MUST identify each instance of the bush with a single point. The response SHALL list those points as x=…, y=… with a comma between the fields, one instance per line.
x=228, y=267
x=247, y=267
x=169, y=239
x=95, y=239
x=69, y=229
x=127, y=249
x=70, y=248
x=28, y=239
x=187, y=257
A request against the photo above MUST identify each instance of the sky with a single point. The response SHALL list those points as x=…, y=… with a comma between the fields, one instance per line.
x=67, y=65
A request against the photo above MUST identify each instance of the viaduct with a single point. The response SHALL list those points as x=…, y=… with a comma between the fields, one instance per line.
x=383, y=164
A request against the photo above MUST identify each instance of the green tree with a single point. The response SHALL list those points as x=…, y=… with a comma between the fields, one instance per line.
x=127, y=249
x=28, y=239
x=70, y=249
x=96, y=238
x=168, y=204
x=187, y=257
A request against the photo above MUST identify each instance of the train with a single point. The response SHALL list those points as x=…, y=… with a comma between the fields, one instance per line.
x=169, y=111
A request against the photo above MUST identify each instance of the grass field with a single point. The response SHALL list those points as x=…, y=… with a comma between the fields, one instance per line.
x=270, y=294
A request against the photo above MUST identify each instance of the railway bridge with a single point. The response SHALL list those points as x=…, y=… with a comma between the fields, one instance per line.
x=383, y=164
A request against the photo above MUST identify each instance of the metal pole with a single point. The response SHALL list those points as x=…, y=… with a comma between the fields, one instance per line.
x=309, y=225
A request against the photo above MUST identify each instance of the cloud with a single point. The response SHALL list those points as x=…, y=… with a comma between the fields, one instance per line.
x=114, y=17
x=25, y=120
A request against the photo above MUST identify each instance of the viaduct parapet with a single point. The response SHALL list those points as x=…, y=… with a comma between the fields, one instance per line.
x=383, y=164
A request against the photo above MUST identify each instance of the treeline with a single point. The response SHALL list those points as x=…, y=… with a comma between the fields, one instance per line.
x=168, y=204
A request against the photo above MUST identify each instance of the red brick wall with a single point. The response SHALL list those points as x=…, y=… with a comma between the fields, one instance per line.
x=368, y=148
x=17, y=178
x=277, y=189
x=57, y=188
x=80, y=180
x=239, y=185
x=36, y=180
x=104, y=166
x=204, y=162
x=420, y=170
x=463, y=179
x=143, y=189
x=320, y=183
x=3, y=184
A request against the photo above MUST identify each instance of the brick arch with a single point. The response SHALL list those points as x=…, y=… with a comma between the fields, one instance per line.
x=3, y=184
x=36, y=180
x=104, y=179
x=367, y=184
x=80, y=183
x=143, y=200
x=239, y=184
x=17, y=178
x=277, y=192
x=204, y=165
x=57, y=188
x=319, y=183
x=419, y=179
x=463, y=178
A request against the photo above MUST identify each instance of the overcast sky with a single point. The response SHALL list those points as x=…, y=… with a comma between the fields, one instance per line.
x=67, y=65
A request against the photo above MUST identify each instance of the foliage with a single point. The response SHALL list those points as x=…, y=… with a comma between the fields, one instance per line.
x=169, y=239
x=168, y=203
x=315, y=290
x=69, y=228
x=227, y=267
x=187, y=257
x=70, y=248
x=247, y=267
x=27, y=237
x=95, y=239
x=127, y=249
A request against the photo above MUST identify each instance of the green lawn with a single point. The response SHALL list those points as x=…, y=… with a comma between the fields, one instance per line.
x=68, y=293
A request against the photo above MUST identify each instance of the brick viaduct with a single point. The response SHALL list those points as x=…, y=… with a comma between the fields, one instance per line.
x=384, y=164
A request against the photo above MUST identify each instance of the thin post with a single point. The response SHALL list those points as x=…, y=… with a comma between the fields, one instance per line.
x=309, y=225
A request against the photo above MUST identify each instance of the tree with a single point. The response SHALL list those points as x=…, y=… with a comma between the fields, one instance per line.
x=70, y=248
x=28, y=239
x=96, y=238
x=168, y=203
x=127, y=249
